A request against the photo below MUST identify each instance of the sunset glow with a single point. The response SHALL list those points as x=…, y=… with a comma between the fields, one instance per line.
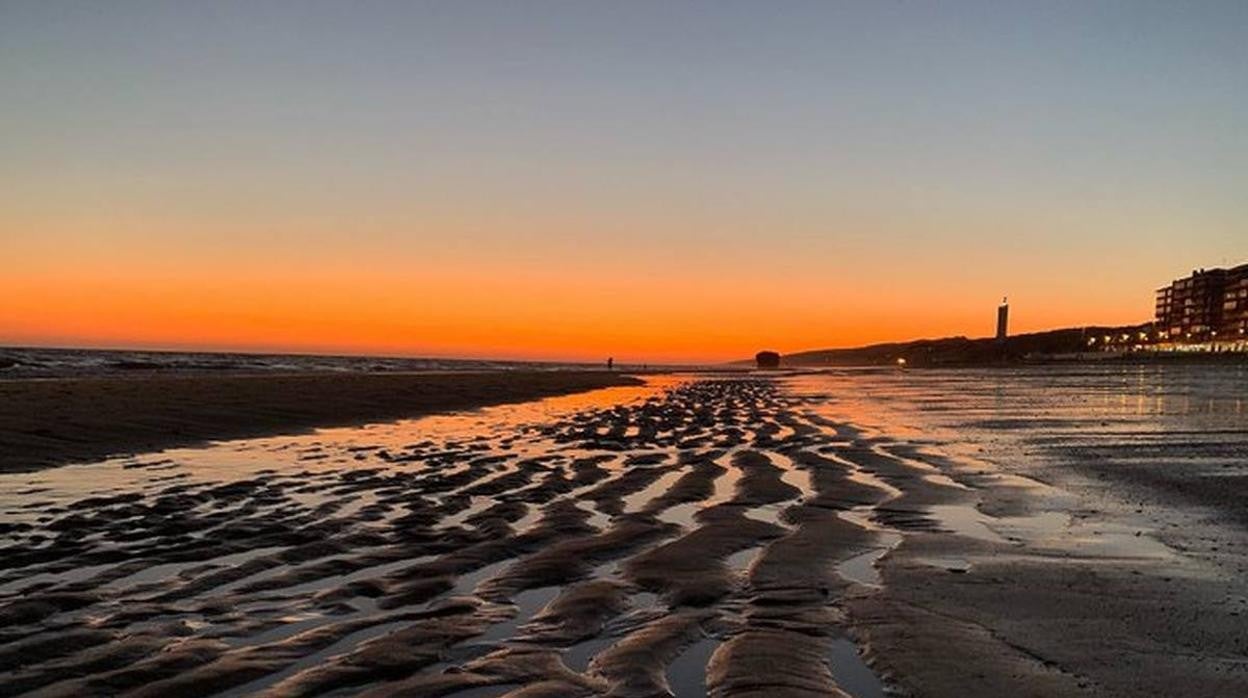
x=688, y=348
x=691, y=184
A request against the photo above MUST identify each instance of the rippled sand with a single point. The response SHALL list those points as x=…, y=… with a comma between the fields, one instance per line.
x=809, y=535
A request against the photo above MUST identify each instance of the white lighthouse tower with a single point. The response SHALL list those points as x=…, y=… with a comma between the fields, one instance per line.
x=1003, y=319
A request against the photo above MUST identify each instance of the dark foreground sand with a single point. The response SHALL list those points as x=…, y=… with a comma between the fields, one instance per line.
x=48, y=422
x=733, y=536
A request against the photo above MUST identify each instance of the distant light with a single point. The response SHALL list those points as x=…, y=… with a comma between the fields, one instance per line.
x=901, y=362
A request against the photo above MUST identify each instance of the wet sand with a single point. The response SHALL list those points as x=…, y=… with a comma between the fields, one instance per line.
x=45, y=422
x=849, y=534
x=1106, y=558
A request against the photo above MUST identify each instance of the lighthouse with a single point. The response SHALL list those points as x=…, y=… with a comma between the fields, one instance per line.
x=1003, y=319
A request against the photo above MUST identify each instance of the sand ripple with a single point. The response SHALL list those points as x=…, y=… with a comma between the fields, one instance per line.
x=702, y=537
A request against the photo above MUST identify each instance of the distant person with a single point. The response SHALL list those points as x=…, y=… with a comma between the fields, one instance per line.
x=610, y=363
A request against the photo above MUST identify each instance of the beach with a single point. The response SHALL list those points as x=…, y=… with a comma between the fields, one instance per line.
x=1026, y=531
x=624, y=350
x=78, y=418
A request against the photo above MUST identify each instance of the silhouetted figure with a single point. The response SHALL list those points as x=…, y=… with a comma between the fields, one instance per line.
x=610, y=363
x=767, y=359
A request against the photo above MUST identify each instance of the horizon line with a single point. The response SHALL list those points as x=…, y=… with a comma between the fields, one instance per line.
x=331, y=353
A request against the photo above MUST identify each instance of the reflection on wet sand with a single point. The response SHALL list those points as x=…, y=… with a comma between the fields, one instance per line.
x=1082, y=531
x=697, y=534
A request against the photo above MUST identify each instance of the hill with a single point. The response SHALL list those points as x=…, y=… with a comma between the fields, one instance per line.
x=961, y=351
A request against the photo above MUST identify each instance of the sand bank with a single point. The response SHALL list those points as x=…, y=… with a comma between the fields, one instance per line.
x=45, y=422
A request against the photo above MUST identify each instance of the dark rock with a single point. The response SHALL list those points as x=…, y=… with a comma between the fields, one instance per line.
x=767, y=359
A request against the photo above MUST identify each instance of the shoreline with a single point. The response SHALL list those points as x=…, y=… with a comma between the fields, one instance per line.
x=49, y=422
x=817, y=534
x=1074, y=551
x=1044, y=361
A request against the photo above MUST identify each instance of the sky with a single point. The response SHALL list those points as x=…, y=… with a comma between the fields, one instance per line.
x=653, y=181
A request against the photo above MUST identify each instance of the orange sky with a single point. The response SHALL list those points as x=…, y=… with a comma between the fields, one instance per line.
x=636, y=310
x=654, y=182
x=663, y=283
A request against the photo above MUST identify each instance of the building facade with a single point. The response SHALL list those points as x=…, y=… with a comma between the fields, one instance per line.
x=1235, y=304
x=1209, y=305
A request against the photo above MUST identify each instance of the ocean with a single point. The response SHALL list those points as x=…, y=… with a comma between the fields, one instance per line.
x=31, y=362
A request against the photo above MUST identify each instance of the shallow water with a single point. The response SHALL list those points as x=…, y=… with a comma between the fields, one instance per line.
x=861, y=568
x=28, y=362
x=687, y=674
x=851, y=673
